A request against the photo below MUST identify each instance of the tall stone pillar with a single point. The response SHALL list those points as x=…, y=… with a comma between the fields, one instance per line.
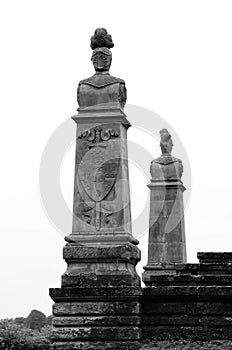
x=167, y=247
x=98, y=304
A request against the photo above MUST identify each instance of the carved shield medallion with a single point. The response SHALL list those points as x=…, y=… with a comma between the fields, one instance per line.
x=97, y=173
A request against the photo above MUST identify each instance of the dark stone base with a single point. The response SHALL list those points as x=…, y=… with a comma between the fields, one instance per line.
x=96, y=318
x=193, y=301
x=191, y=333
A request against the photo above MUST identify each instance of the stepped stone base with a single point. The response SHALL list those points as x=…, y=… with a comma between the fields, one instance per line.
x=96, y=318
x=195, y=300
x=98, y=305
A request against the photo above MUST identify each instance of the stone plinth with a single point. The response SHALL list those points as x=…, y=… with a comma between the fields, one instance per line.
x=166, y=247
x=101, y=265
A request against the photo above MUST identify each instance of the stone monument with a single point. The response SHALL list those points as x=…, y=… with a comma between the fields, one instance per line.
x=98, y=304
x=166, y=247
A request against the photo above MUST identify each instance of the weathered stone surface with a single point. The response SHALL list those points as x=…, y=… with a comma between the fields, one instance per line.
x=96, y=281
x=99, y=206
x=196, y=297
x=217, y=320
x=100, y=294
x=189, y=291
x=214, y=257
x=96, y=265
x=96, y=321
x=104, y=89
x=182, y=332
x=96, y=308
x=108, y=345
x=190, y=280
x=96, y=333
x=163, y=307
x=213, y=268
x=210, y=307
x=171, y=320
x=128, y=252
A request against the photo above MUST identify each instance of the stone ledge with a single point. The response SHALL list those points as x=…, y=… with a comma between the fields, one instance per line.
x=186, y=320
x=208, y=268
x=96, y=281
x=220, y=292
x=210, y=257
x=97, y=308
x=116, y=345
x=96, y=321
x=189, y=280
x=96, y=333
x=199, y=308
x=126, y=252
x=193, y=333
x=98, y=293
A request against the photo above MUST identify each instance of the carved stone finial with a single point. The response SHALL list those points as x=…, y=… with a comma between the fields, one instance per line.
x=101, y=39
x=166, y=143
x=101, y=42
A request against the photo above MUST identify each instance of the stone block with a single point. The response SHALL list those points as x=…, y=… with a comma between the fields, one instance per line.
x=96, y=333
x=127, y=252
x=188, y=279
x=96, y=281
x=210, y=308
x=208, y=268
x=170, y=320
x=189, y=292
x=99, y=294
x=217, y=320
x=96, y=308
x=109, y=345
x=214, y=257
x=151, y=307
x=96, y=321
x=186, y=332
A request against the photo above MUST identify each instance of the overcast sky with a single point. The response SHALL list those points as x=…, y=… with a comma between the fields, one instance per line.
x=176, y=59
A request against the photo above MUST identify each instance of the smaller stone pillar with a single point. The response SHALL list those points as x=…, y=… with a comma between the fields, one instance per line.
x=167, y=247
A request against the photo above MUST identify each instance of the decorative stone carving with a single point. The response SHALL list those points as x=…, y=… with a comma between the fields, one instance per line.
x=101, y=39
x=101, y=59
x=166, y=167
x=101, y=87
x=166, y=143
x=97, y=134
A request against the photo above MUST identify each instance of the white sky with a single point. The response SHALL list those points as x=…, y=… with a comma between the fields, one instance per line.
x=176, y=59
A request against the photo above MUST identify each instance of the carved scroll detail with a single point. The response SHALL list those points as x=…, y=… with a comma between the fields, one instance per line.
x=98, y=135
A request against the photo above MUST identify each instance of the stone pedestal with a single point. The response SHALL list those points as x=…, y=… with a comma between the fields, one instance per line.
x=98, y=304
x=166, y=247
